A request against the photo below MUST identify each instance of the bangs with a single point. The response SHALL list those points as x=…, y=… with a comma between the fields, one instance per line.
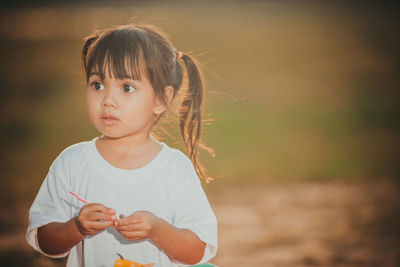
x=119, y=53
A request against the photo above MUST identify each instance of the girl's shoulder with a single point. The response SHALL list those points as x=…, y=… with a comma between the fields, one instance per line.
x=181, y=165
x=177, y=156
x=75, y=149
x=71, y=154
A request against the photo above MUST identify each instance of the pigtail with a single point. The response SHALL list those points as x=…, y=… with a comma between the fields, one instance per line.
x=190, y=119
x=88, y=42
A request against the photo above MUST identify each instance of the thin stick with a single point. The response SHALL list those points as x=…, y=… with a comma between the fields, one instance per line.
x=78, y=197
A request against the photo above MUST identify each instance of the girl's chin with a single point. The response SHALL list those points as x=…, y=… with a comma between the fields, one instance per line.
x=109, y=134
x=104, y=136
x=112, y=134
x=120, y=132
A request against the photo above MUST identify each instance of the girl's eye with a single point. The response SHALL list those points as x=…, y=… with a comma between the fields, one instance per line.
x=97, y=86
x=129, y=88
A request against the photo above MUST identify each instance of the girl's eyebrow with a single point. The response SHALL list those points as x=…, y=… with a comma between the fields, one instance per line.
x=124, y=77
x=128, y=77
x=94, y=73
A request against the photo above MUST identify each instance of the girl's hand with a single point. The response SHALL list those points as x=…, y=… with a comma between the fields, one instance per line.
x=94, y=218
x=139, y=225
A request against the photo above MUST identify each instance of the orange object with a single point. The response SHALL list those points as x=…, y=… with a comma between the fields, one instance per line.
x=126, y=263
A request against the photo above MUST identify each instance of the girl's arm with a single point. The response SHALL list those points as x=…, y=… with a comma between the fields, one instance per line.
x=179, y=244
x=59, y=237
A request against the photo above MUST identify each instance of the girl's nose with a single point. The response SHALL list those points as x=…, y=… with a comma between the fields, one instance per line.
x=109, y=101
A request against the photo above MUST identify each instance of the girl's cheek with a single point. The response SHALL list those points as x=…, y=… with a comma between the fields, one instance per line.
x=93, y=101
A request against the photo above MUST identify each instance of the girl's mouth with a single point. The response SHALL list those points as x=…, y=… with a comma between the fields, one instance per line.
x=109, y=120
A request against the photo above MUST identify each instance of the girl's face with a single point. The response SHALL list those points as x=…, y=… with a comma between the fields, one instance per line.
x=122, y=107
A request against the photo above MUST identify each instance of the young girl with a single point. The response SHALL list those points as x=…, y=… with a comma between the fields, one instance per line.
x=133, y=73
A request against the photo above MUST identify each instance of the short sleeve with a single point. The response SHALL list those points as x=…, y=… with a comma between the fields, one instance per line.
x=50, y=205
x=191, y=209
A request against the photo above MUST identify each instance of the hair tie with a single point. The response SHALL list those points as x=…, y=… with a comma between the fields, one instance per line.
x=180, y=54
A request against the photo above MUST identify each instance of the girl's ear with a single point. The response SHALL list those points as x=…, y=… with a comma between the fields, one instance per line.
x=163, y=102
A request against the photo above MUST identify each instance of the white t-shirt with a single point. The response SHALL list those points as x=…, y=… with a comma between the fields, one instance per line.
x=167, y=186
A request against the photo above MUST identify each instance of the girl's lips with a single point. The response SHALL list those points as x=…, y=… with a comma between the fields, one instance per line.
x=109, y=120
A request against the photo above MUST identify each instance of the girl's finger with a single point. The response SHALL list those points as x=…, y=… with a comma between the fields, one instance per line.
x=130, y=227
x=129, y=235
x=99, y=226
x=101, y=208
x=106, y=217
x=98, y=216
x=129, y=220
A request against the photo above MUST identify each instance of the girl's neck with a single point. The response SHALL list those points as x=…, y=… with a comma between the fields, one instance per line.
x=129, y=145
x=128, y=152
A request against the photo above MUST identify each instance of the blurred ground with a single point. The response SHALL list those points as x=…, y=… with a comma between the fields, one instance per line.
x=309, y=224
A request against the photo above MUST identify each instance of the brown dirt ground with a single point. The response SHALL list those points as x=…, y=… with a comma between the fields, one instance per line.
x=309, y=224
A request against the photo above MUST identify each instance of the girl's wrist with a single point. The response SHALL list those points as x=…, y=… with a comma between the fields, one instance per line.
x=156, y=225
x=79, y=226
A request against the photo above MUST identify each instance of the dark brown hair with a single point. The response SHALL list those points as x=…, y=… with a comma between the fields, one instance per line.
x=135, y=50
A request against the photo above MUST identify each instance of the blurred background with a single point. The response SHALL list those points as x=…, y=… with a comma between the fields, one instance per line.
x=303, y=100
